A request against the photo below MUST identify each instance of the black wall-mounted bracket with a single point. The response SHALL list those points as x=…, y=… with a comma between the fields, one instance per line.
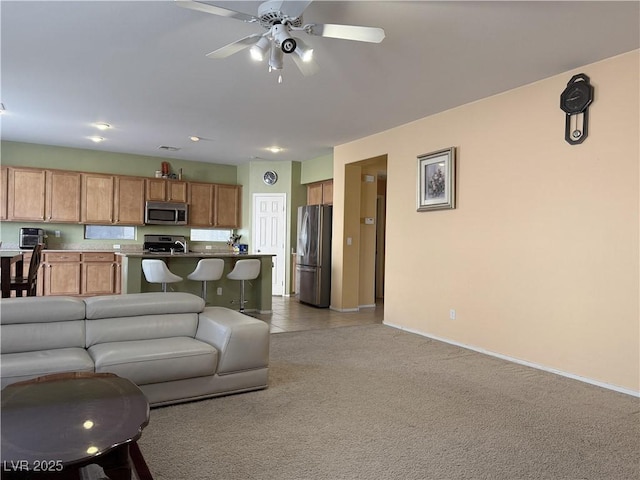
x=575, y=101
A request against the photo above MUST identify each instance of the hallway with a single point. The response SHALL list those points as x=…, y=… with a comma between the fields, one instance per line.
x=289, y=315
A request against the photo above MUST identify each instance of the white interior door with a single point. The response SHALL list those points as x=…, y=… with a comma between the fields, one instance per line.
x=269, y=233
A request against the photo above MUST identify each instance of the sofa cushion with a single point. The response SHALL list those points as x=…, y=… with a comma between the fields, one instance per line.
x=16, y=367
x=137, y=304
x=41, y=309
x=29, y=337
x=145, y=327
x=159, y=360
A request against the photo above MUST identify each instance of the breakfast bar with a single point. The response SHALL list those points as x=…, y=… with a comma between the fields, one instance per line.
x=220, y=293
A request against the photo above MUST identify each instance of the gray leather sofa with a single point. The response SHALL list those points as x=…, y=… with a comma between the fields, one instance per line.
x=169, y=344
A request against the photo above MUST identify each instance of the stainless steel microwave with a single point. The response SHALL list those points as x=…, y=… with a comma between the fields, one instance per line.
x=165, y=213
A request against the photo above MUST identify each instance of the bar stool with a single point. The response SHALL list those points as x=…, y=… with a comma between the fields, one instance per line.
x=156, y=271
x=207, y=270
x=244, y=270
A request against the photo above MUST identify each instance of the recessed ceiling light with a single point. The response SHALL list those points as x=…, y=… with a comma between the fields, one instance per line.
x=275, y=149
x=96, y=139
x=194, y=138
x=102, y=126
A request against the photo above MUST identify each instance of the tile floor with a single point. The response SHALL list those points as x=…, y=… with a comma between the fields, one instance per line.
x=289, y=315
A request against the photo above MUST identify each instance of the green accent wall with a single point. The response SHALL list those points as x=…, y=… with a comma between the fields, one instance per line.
x=317, y=169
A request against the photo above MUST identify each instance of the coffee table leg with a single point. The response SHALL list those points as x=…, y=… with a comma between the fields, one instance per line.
x=116, y=463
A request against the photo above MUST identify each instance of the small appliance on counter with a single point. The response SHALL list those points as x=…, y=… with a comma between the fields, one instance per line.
x=30, y=237
x=165, y=244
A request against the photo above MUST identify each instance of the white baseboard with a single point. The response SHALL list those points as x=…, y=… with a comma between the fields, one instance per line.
x=519, y=361
x=343, y=309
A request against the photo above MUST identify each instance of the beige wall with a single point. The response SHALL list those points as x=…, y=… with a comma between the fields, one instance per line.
x=540, y=258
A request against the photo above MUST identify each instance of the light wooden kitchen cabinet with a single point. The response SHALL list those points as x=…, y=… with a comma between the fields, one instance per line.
x=109, y=199
x=129, y=200
x=62, y=203
x=226, y=203
x=98, y=273
x=201, y=204
x=320, y=193
x=62, y=273
x=163, y=190
x=4, y=178
x=97, y=198
x=26, y=194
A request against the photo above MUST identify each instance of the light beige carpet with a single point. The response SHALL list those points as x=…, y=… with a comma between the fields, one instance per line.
x=373, y=402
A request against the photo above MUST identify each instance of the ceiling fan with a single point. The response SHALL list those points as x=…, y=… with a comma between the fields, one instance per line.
x=281, y=19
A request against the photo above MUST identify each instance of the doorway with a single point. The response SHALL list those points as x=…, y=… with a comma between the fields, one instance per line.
x=269, y=228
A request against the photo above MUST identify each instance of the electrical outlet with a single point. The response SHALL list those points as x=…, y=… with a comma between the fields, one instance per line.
x=219, y=292
x=57, y=233
x=452, y=314
x=116, y=247
x=207, y=247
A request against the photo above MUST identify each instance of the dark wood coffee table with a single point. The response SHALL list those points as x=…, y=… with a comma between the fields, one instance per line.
x=54, y=425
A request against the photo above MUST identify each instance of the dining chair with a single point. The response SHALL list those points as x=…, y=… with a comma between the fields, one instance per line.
x=20, y=284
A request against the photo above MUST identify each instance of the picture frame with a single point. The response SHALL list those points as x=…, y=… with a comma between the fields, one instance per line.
x=437, y=180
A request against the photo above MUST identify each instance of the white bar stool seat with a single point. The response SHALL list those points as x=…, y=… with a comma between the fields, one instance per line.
x=156, y=271
x=207, y=270
x=243, y=270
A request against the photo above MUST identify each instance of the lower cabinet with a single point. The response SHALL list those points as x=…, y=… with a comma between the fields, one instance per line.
x=62, y=273
x=80, y=273
x=98, y=273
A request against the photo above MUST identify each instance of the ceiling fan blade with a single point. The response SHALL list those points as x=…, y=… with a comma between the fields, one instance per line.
x=306, y=68
x=235, y=47
x=223, y=12
x=293, y=8
x=346, y=32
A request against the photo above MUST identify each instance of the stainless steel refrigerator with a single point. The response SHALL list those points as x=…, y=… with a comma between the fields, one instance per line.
x=313, y=267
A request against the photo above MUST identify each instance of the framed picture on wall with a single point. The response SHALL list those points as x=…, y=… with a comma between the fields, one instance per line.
x=437, y=180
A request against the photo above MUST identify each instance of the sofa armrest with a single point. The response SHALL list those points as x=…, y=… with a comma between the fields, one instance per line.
x=243, y=342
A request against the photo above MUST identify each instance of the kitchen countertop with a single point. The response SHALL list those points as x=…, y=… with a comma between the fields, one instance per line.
x=194, y=255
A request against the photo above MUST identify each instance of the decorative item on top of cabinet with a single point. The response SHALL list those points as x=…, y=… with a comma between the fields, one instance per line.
x=320, y=193
x=163, y=190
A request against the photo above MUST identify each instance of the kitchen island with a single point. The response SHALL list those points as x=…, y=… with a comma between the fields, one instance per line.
x=219, y=293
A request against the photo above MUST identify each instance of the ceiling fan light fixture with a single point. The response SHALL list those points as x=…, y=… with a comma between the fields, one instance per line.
x=282, y=38
x=259, y=51
x=276, y=59
x=304, y=51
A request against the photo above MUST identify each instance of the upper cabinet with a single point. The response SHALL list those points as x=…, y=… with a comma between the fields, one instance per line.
x=227, y=206
x=97, y=198
x=62, y=202
x=109, y=199
x=26, y=189
x=4, y=178
x=201, y=204
x=129, y=200
x=320, y=193
x=43, y=195
x=59, y=196
x=162, y=190
x=214, y=205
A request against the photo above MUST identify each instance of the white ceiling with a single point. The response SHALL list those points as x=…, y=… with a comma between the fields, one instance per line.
x=141, y=67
